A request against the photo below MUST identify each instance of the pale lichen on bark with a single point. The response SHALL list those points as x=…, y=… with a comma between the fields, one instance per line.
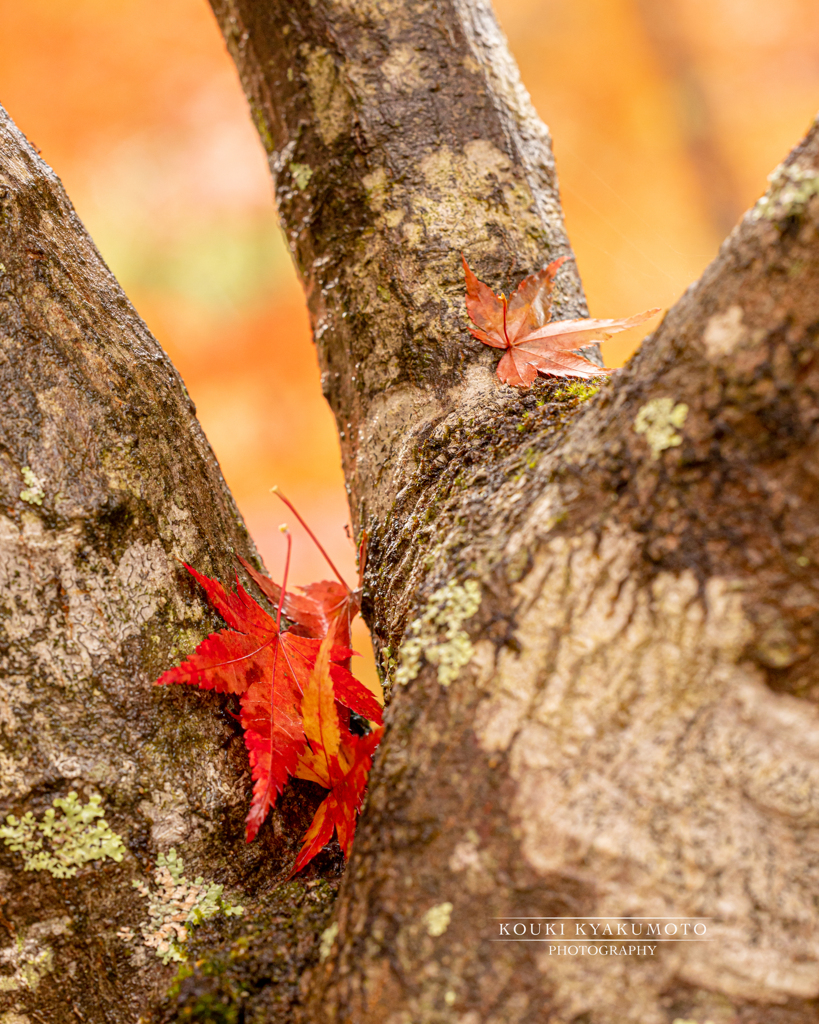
x=75, y=836
x=628, y=715
x=659, y=421
x=633, y=724
x=176, y=904
x=107, y=482
x=437, y=634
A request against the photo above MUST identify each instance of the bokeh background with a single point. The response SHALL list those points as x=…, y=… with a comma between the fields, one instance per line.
x=667, y=116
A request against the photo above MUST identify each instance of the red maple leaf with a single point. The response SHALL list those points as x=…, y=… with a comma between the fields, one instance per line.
x=319, y=607
x=521, y=326
x=296, y=692
x=268, y=668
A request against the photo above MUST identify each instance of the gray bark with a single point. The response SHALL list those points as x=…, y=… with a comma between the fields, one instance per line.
x=596, y=618
x=624, y=722
x=107, y=482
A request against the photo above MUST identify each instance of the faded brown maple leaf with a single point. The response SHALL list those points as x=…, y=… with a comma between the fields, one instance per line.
x=521, y=326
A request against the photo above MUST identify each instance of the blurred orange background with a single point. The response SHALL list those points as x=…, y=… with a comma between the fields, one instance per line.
x=666, y=116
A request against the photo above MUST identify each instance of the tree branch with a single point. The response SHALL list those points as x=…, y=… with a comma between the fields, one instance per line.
x=107, y=482
x=392, y=149
x=611, y=622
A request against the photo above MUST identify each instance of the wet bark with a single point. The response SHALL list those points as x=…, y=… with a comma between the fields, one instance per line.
x=596, y=614
x=597, y=618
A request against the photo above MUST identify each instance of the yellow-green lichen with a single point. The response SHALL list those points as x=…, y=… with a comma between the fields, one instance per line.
x=330, y=100
x=29, y=961
x=328, y=937
x=791, y=189
x=185, y=642
x=76, y=836
x=579, y=389
x=302, y=173
x=261, y=127
x=33, y=492
x=437, y=919
x=658, y=420
x=174, y=906
x=388, y=664
x=447, y=610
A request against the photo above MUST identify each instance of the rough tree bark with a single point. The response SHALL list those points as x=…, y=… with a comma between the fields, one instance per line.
x=597, y=618
x=107, y=482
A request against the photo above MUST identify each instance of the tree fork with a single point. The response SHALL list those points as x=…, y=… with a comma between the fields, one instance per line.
x=605, y=701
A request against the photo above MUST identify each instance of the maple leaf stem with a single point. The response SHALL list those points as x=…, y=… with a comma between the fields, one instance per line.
x=284, y=580
x=312, y=536
x=505, y=306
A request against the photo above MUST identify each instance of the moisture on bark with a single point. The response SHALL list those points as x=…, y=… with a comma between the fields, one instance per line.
x=597, y=618
x=596, y=612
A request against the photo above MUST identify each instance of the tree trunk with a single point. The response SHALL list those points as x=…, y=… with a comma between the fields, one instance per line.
x=596, y=617
x=604, y=704
x=107, y=482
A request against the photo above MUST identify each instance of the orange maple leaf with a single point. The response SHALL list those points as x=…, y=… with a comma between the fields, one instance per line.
x=334, y=758
x=521, y=326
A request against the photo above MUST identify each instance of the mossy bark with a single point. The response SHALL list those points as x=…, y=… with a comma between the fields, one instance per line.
x=107, y=483
x=606, y=703
x=630, y=727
